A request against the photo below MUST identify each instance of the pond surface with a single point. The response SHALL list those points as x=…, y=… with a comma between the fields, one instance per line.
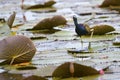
x=52, y=46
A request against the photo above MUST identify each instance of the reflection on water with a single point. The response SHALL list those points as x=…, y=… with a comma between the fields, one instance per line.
x=8, y=76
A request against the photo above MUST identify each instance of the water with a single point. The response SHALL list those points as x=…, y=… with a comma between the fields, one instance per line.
x=52, y=51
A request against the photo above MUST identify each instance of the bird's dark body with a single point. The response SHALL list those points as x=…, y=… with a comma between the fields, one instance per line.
x=79, y=28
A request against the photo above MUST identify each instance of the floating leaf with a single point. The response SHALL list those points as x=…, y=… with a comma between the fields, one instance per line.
x=63, y=71
x=33, y=77
x=58, y=20
x=102, y=29
x=46, y=4
x=26, y=68
x=108, y=3
x=11, y=19
x=16, y=49
x=49, y=23
x=44, y=24
x=10, y=76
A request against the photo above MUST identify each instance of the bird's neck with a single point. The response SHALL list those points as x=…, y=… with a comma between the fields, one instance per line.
x=76, y=23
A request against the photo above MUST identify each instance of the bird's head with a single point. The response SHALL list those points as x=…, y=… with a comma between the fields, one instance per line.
x=74, y=18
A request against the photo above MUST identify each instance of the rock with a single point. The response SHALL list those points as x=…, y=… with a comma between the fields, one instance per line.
x=49, y=23
x=78, y=70
x=16, y=49
x=33, y=77
x=102, y=29
x=107, y=3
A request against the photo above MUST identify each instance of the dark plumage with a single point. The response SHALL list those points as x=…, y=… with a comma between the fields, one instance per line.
x=80, y=29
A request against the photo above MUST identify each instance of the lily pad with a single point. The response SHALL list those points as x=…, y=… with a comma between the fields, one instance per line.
x=64, y=70
x=45, y=4
x=15, y=49
x=26, y=68
x=107, y=3
x=33, y=77
x=102, y=29
x=49, y=23
x=11, y=19
x=8, y=76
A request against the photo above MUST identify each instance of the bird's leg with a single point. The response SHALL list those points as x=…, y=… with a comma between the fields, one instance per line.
x=81, y=42
x=89, y=45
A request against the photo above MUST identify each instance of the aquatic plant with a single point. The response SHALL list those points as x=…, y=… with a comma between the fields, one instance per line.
x=49, y=23
x=69, y=69
x=16, y=49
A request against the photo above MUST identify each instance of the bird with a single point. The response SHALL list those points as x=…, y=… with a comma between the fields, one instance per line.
x=80, y=29
x=83, y=29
